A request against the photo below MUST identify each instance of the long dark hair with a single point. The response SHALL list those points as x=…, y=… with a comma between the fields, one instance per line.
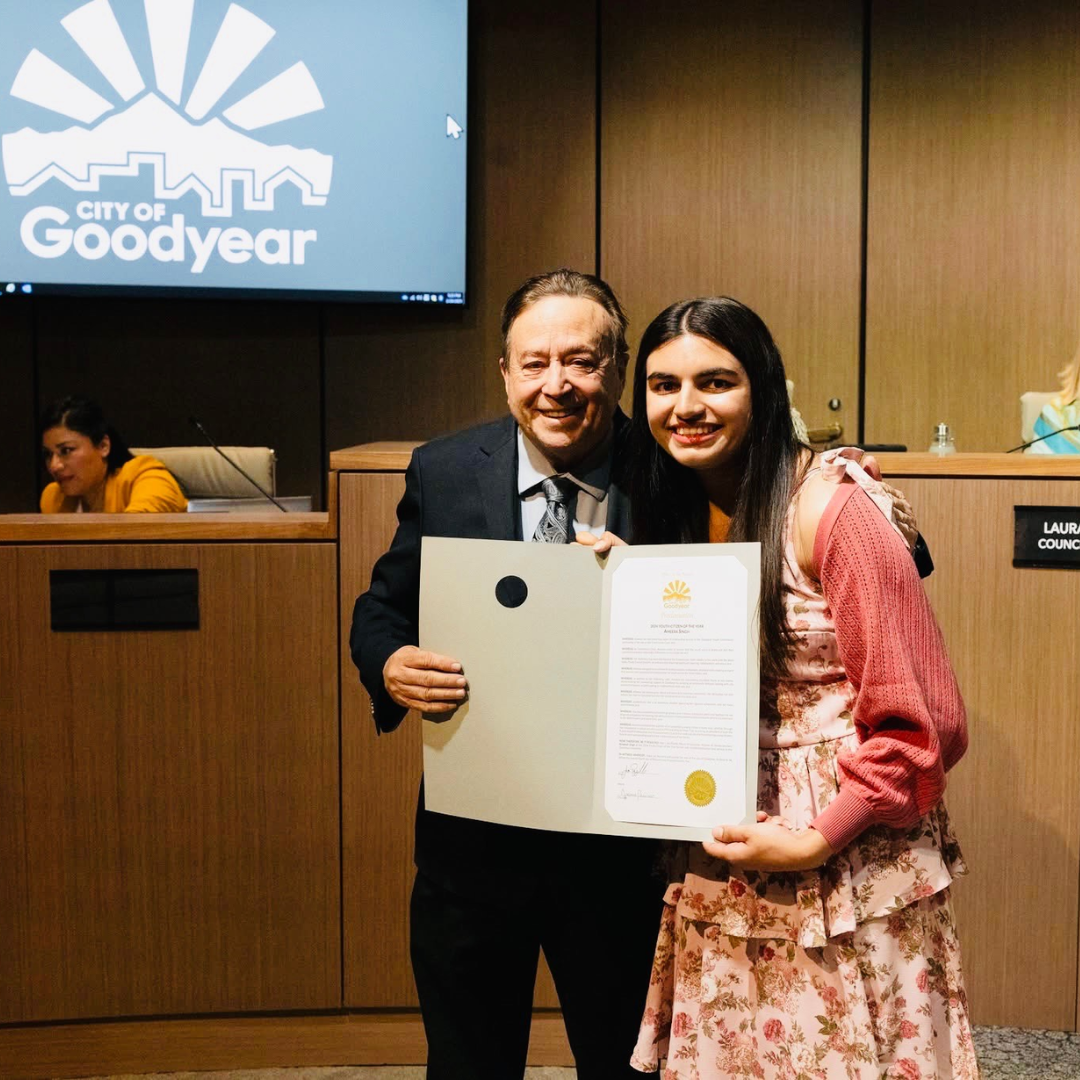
x=84, y=415
x=667, y=502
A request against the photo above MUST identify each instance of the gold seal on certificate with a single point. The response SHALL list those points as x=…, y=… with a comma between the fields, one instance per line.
x=700, y=788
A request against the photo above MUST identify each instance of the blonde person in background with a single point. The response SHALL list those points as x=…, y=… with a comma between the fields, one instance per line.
x=1060, y=412
x=94, y=472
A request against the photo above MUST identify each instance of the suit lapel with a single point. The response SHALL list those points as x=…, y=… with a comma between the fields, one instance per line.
x=496, y=475
x=618, y=512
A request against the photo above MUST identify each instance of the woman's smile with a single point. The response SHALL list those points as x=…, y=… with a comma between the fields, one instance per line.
x=695, y=435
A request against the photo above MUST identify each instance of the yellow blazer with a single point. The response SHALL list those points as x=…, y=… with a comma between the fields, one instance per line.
x=140, y=486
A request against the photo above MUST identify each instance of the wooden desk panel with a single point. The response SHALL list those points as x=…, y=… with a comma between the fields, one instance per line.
x=394, y=457
x=374, y=457
x=380, y=779
x=1014, y=798
x=168, y=808
x=974, y=466
x=159, y=528
x=380, y=776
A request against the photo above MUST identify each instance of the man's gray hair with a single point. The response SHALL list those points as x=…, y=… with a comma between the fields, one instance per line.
x=566, y=282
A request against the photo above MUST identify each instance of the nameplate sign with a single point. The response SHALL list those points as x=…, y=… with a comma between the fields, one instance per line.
x=124, y=599
x=1047, y=536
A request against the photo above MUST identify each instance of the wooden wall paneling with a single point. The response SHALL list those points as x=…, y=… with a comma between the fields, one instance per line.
x=18, y=408
x=249, y=370
x=1013, y=799
x=974, y=216
x=169, y=809
x=413, y=372
x=731, y=163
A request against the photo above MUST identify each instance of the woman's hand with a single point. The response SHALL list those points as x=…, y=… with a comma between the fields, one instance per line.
x=768, y=845
x=600, y=544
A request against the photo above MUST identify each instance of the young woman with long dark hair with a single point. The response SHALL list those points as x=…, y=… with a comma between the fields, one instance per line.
x=818, y=942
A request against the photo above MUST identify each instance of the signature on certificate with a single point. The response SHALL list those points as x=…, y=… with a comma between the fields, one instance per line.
x=638, y=768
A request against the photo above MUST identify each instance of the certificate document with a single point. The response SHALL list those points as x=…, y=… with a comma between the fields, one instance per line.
x=676, y=723
x=608, y=695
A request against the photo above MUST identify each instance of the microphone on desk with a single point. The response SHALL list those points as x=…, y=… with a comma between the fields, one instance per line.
x=194, y=422
x=1032, y=442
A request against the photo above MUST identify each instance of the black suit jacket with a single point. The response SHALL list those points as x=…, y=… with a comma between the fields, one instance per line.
x=465, y=485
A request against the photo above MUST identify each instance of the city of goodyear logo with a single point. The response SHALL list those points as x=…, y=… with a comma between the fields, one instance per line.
x=677, y=594
x=185, y=152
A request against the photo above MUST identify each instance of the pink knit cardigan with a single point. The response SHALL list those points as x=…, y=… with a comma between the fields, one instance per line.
x=908, y=711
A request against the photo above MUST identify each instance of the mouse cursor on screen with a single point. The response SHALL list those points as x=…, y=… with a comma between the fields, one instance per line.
x=453, y=128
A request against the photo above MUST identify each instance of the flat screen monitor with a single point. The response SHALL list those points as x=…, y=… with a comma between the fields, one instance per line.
x=259, y=147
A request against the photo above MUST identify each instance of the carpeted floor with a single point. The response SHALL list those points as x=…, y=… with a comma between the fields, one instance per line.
x=1004, y=1054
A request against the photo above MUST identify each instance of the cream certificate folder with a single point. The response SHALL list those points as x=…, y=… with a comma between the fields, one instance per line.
x=614, y=695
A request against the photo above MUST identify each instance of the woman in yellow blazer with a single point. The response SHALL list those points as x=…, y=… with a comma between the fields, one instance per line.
x=93, y=471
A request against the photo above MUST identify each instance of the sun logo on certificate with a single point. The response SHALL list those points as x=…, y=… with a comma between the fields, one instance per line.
x=700, y=788
x=677, y=594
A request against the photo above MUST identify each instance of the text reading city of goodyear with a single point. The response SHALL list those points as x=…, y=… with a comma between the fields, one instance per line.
x=133, y=231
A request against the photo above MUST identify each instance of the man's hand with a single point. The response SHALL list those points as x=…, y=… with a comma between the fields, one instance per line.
x=601, y=544
x=423, y=680
x=868, y=462
x=768, y=846
x=903, y=515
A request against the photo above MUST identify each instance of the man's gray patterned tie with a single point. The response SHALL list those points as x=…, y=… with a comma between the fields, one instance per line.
x=554, y=527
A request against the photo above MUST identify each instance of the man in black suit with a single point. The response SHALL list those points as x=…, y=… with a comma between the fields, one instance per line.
x=488, y=897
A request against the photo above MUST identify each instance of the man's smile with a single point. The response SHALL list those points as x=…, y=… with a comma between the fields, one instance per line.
x=561, y=414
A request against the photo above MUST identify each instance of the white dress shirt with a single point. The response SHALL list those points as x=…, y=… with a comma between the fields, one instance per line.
x=592, y=479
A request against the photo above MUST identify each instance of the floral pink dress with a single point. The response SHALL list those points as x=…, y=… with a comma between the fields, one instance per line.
x=851, y=971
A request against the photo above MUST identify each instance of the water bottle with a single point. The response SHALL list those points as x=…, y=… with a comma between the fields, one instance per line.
x=943, y=442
